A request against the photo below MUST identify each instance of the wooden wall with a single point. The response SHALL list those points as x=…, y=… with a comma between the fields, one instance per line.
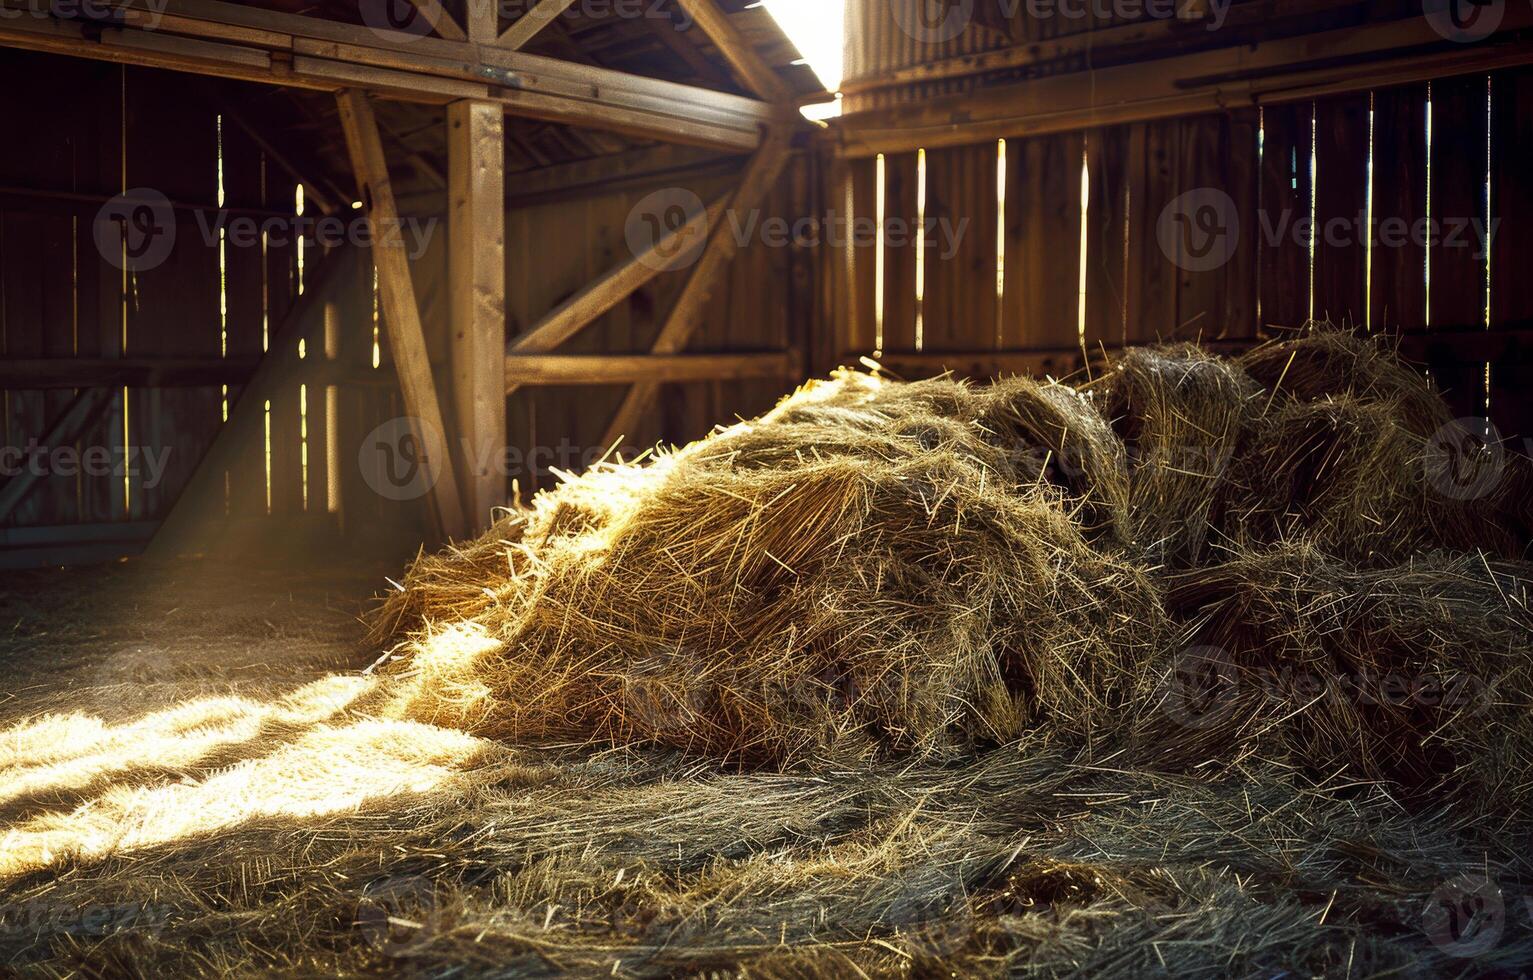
x=1348, y=157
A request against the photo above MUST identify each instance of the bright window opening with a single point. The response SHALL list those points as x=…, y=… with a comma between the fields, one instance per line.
x=816, y=28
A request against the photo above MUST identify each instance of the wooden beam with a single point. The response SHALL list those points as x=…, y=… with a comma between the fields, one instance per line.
x=81, y=413
x=476, y=269
x=611, y=369
x=401, y=314
x=229, y=40
x=757, y=74
x=530, y=23
x=1297, y=68
x=582, y=309
x=722, y=246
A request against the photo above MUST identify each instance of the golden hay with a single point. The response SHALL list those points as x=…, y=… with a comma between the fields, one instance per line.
x=1181, y=413
x=862, y=569
x=876, y=568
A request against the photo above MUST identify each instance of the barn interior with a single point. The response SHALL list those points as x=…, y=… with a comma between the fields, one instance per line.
x=782, y=488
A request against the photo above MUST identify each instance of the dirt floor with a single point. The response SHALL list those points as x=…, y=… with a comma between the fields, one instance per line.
x=196, y=778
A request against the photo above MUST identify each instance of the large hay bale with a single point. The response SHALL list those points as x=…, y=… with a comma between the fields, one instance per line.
x=1059, y=435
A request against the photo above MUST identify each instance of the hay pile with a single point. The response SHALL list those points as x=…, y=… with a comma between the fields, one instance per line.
x=1165, y=675
x=878, y=568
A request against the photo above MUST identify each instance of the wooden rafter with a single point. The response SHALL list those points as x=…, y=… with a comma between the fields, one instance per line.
x=401, y=314
x=529, y=24
x=229, y=40
x=757, y=74
x=687, y=314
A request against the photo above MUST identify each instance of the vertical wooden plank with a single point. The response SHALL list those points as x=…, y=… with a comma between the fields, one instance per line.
x=862, y=261
x=1457, y=268
x=1043, y=233
x=900, y=231
x=959, y=312
x=1201, y=195
x=245, y=289
x=101, y=303
x=1242, y=180
x=1398, y=283
x=1512, y=244
x=1284, y=213
x=23, y=326
x=1153, y=279
x=1341, y=202
x=477, y=273
x=1106, y=239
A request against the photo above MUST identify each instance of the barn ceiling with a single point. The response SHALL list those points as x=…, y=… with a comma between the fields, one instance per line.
x=652, y=38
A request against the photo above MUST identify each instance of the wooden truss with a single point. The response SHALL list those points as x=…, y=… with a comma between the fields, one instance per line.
x=480, y=75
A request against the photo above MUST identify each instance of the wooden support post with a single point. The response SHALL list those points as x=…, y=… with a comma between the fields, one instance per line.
x=476, y=268
x=481, y=20
x=401, y=314
x=741, y=55
x=722, y=246
x=533, y=21
x=580, y=310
